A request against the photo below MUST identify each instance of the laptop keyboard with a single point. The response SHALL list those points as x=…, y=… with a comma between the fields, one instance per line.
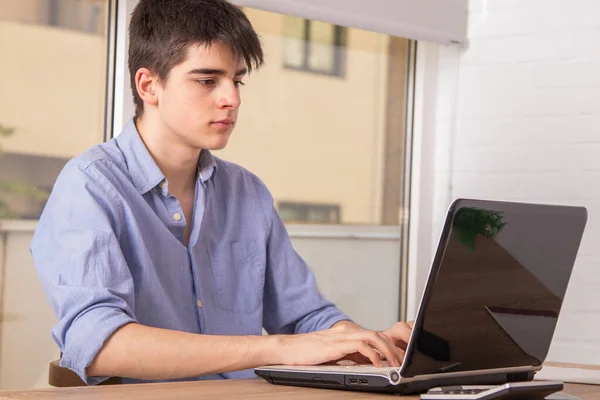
x=348, y=364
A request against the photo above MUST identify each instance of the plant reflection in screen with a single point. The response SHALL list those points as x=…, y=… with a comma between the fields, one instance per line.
x=472, y=222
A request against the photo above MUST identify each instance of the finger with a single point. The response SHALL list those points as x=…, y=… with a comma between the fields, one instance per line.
x=398, y=344
x=357, y=358
x=401, y=344
x=391, y=348
x=398, y=349
x=401, y=353
x=379, y=342
x=368, y=352
x=398, y=352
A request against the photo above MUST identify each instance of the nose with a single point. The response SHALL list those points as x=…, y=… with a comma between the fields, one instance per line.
x=229, y=96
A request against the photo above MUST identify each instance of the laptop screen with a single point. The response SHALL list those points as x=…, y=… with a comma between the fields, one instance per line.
x=496, y=286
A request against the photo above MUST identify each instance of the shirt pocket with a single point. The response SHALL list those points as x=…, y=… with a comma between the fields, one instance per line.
x=239, y=273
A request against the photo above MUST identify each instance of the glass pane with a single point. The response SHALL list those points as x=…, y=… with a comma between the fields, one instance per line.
x=322, y=140
x=52, y=96
x=321, y=58
x=294, y=42
x=321, y=53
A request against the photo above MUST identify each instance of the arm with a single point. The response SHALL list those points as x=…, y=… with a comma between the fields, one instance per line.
x=80, y=265
x=153, y=353
x=143, y=352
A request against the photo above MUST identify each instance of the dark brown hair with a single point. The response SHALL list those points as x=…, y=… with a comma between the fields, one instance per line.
x=161, y=31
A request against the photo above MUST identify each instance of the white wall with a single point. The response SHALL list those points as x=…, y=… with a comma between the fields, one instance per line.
x=518, y=118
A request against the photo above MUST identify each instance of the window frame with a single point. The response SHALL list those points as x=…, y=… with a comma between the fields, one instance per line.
x=340, y=41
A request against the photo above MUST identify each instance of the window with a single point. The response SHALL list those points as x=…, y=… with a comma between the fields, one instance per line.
x=335, y=142
x=53, y=58
x=314, y=46
x=67, y=38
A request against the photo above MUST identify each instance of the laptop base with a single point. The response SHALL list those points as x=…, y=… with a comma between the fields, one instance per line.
x=369, y=383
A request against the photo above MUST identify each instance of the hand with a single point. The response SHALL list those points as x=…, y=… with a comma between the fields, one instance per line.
x=398, y=335
x=338, y=342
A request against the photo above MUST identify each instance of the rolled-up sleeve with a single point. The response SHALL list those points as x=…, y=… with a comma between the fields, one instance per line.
x=78, y=258
x=292, y=301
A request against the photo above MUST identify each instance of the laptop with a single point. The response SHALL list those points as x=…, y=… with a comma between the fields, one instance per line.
x=489, y=308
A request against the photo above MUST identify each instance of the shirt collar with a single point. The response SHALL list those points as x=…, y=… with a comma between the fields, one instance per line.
x=145, y=173
x=207, y=165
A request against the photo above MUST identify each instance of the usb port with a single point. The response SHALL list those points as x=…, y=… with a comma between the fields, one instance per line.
x=353, y=381
x=364, y=381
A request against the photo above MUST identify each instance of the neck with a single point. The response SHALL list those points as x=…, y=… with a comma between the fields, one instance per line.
x=177, y=160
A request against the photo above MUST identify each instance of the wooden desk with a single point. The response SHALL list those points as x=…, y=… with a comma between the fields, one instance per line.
x=235, y=389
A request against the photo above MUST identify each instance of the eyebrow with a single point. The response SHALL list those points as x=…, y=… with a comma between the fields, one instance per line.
x=215, y=71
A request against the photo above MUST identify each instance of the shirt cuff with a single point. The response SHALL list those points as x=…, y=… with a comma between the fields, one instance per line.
x=320, y=320
x=87, y=335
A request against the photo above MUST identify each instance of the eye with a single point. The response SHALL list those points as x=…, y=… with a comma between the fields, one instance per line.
x=239, y=83
x=206, y=82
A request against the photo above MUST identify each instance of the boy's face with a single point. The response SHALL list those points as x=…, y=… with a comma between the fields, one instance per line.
x=200, y=99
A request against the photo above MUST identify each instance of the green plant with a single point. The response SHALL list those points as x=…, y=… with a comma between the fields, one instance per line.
x=21, y=189
x=469, y=223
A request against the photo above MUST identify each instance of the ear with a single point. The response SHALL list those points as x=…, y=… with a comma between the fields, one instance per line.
x=145, y=84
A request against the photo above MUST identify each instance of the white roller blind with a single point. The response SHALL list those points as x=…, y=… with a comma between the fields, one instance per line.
x=440, y=21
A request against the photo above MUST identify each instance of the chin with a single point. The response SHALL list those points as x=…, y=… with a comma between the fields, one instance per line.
x=214, y=139
x=218, y=144
x=217, y=147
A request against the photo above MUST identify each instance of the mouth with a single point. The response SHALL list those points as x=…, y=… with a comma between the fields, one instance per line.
x=224, y=123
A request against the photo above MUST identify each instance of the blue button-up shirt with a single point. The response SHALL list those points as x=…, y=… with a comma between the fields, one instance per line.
x=109, y=250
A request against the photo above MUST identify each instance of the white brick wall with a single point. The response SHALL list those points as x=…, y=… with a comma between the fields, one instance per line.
x=518, y=118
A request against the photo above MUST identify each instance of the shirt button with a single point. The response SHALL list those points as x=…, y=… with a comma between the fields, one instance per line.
x=162, y=184
x=199, y=303
x=177, y=217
